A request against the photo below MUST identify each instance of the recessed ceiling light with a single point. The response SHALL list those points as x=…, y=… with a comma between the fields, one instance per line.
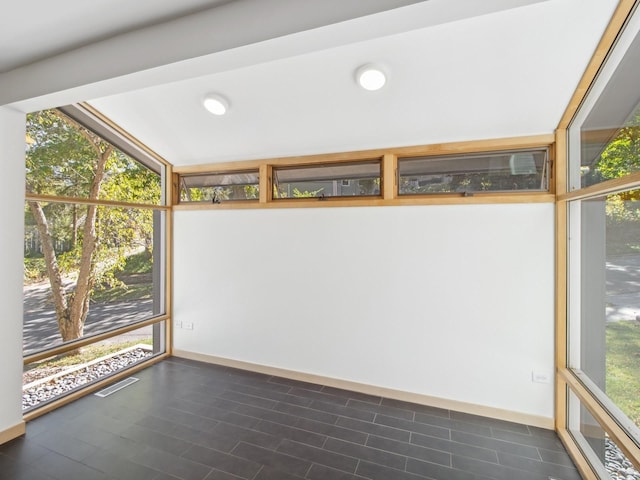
x=371, y=77
x=216, y=104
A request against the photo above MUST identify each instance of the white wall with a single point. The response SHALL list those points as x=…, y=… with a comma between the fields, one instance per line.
x=12, y=131
x=454, y=302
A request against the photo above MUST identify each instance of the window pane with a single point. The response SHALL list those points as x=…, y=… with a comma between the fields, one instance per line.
x=609, y=305
x=609, y=132
x=88, y=270
x=219, y=187
x=328, y=180
x=602, y=451
x=64, y=159
x=53, y=378
x=497, y=171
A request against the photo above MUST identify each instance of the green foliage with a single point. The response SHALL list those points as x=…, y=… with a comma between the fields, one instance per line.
x=35, y=270
x=623, y=367
x=313, y=193
x=62, y=159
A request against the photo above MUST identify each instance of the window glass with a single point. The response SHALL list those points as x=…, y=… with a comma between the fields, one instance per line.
x=328, y=180
x=52, y=378
x=88, y=270
x=219, y=187
x=67, y=160
x=525, y=170
x=609, y=297
x=601, y=449
x=609, y=127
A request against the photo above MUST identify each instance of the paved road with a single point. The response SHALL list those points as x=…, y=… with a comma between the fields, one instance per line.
x=623, y=288
x=40, y=328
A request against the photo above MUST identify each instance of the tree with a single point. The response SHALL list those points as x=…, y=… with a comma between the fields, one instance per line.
x=68, y=160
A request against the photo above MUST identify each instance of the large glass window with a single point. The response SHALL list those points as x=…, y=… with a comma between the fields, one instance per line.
x=606, y=346
x=603, y=238
x=521, y=170
x=93, y=246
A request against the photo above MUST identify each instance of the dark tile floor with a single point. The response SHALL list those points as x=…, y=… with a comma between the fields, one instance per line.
x=193, y=421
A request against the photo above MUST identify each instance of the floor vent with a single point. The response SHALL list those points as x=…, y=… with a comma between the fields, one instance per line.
x=116, y=386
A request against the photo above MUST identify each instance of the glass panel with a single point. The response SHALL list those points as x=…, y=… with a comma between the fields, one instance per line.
x=53, y=378
x=602, y=451
x=67, y=160
x=609, y=304
x=328, y=180
x=605, y=141
x=497, y=171
x=219, y=187
x=88, y=270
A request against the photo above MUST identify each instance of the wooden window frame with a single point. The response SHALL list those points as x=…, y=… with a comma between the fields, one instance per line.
x=86, y=116
x=389, y=195
x=566, y=378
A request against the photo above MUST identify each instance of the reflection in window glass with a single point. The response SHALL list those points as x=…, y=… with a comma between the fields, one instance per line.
x=327, y=180
x=602, y=450
x=610, y=129
x=67, y=160
x=486, y=172
x=55, y=377
x=610, y=297
x=87, y=270
x=219, y=187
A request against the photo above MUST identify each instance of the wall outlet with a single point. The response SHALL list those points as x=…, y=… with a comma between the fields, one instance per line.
x=178, y=324
x=187, y=325
x=540, y=377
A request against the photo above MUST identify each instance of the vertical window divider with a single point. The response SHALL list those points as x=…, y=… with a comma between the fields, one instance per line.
x=389, y=176
x=265, y=176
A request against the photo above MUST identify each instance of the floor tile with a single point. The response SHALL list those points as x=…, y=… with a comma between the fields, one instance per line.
x=186, y=420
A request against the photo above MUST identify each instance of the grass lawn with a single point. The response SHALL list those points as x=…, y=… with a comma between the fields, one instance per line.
x=623, y=367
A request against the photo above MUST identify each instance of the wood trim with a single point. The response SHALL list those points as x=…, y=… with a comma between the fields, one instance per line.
x=573, y=449
x=168, y=266
x=604, y=188
x=618, y=19
x=49, y=407
x=446, y=199
x=87, y=201
x=497, y=413
x=560, y=169
x=12, y=433
x=603, y=417
x=389, y=176
x=265, y=177
x=36, y=357
x=123, y=133
x=473, y=146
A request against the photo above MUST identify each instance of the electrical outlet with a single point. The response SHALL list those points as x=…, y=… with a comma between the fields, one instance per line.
x=178, y=324
x=540, y=377
x=187, y=325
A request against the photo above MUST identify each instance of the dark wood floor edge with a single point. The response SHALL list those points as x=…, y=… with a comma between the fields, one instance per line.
x=546, y=423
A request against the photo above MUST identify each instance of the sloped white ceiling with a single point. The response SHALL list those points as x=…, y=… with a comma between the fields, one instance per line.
x=35, y=29
x=458, y=70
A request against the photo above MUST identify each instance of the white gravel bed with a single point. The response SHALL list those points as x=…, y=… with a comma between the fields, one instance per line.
x=48, y=389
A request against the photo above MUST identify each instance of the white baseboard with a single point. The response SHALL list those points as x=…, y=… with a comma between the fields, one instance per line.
x=464, y=407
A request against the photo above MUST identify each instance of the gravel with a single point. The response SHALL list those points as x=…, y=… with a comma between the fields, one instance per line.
x=617, y=465
x=47, y=390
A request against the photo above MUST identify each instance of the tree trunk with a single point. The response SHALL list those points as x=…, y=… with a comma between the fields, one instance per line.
x=79, y=307
x=53, y=270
